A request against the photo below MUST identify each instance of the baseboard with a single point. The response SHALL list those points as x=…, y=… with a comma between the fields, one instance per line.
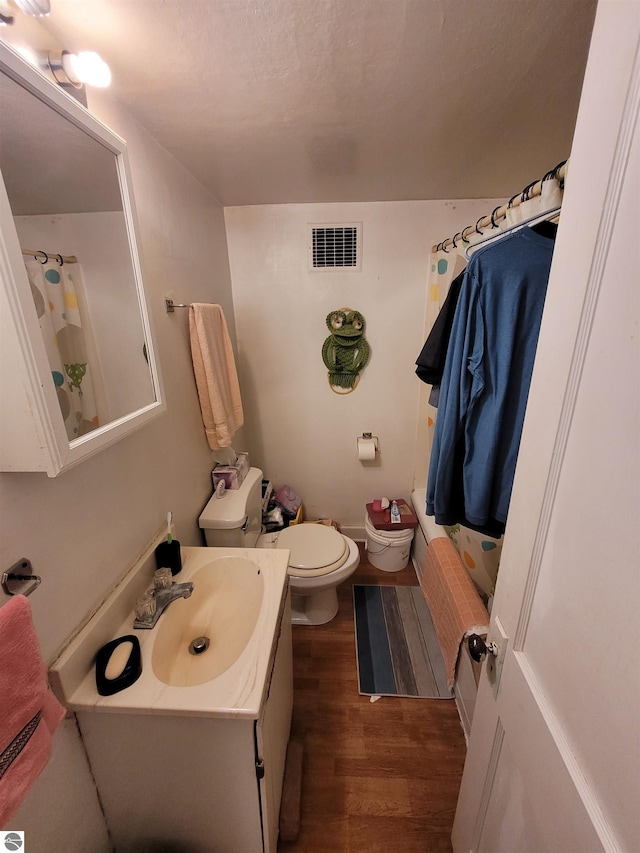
x=416, y=569
x=354, y=531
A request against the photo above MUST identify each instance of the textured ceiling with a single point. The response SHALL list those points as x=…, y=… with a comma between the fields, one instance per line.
x=276, y=101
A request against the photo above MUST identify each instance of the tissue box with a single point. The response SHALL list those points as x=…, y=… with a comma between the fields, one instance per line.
x=228, y=473
x=233, y=475
x=242, y=464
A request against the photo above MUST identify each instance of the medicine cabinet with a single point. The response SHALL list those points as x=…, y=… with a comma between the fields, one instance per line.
x=78, y=367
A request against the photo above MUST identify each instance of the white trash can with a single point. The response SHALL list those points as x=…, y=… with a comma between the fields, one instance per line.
x=388, y=549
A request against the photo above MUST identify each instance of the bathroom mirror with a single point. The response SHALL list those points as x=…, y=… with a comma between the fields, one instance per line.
x=79, y=370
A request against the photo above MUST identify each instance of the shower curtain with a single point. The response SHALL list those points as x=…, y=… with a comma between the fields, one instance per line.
x=443, y=268
x=53, y=287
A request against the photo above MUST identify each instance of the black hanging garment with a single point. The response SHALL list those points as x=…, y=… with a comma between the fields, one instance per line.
x=430, y=362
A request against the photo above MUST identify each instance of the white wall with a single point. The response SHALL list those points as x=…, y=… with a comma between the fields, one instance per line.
x=83, y=529
x=298, y=430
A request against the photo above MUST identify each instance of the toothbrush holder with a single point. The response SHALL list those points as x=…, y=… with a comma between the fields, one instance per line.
x=168, y=556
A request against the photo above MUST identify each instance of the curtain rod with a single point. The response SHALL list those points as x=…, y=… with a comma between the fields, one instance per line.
x=50, y=256
x=534, y=189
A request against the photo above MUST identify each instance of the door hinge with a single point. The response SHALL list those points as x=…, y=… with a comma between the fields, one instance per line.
x=260, y=768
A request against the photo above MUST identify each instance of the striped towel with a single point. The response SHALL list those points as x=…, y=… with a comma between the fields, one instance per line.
x=456, y=608
x=29, y=712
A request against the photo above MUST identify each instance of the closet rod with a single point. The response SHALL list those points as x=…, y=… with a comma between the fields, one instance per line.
x=491, y=219
x=50, y=256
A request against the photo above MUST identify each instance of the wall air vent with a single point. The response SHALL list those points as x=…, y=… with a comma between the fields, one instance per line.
x=335, y=247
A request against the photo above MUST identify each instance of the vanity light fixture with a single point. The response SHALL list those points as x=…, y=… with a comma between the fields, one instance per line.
x=33, y=8
x=76, y=69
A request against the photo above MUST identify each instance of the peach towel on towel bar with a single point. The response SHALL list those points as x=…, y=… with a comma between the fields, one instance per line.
x=215, y=371
x=456, y=608
x=29, y=712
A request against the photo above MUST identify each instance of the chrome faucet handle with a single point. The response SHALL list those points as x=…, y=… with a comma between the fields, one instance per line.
x=162, y=579
x=145, y=607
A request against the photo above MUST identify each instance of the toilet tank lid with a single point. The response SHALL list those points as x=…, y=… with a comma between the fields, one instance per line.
x=230, y=511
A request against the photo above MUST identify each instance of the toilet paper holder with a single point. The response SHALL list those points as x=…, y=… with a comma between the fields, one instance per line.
x=368, y=436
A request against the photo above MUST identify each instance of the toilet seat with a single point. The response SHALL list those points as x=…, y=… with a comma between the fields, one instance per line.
x=315, y=549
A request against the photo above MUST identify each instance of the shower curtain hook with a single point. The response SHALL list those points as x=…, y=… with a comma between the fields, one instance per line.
x=46, y=257
x=525, y=192
x=555, y=174
x=60, y=259
x=494, y=224
x=477, y=229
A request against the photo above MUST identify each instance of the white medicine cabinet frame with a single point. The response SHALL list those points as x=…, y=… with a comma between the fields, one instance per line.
x=33, y=436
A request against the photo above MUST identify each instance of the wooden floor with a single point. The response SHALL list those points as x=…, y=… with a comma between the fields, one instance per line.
x=380, y=776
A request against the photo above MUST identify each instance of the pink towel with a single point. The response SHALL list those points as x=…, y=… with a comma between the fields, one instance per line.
x=215, y=371
x=456, y=608
x=29, y=712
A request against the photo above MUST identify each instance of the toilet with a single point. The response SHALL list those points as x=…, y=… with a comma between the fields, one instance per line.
x=320, y=559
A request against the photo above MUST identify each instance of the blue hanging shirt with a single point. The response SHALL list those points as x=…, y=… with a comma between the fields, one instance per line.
x=486, y=381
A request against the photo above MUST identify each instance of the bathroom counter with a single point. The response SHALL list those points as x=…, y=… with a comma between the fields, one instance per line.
x=238, y=692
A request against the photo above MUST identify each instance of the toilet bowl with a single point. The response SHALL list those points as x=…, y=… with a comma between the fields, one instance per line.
x=321, y=558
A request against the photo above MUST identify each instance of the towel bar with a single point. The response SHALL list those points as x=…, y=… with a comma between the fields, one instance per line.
x=170, y=305
x=20, y=580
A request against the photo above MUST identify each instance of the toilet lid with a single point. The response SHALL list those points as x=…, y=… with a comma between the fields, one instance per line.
x=315, y=549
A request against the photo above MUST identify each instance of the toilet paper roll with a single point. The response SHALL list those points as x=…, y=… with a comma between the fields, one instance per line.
x=366, y=449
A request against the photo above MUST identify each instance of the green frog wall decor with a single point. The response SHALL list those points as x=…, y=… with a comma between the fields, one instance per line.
x=346, y=351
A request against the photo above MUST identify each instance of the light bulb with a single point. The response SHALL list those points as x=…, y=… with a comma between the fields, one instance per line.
x=35, y=8
x=86, y=67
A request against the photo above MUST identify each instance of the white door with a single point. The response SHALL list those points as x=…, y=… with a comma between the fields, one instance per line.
x=554, y=753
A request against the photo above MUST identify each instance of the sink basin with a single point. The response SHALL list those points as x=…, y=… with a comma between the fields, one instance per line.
x=199, y=638
x=239, y=597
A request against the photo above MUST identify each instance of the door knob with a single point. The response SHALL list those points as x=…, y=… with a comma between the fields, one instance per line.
x=478, y=649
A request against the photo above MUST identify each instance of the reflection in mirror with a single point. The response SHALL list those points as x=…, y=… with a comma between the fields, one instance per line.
x=65, y=196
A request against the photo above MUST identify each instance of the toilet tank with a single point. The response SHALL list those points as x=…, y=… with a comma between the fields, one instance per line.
x=235, y=519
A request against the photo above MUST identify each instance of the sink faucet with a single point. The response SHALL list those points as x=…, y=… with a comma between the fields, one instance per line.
x=150, y=607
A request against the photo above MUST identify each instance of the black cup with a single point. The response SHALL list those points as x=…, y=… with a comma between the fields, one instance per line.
x=168, y=556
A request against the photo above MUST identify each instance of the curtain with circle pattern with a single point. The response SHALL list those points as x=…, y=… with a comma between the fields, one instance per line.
x=443, y=268
x=53, y=287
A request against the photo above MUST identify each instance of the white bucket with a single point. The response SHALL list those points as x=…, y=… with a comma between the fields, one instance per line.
x=388, y=549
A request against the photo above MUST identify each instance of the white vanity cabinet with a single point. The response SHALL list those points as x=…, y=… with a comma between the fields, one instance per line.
x=272, y=732
x=195, y=783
